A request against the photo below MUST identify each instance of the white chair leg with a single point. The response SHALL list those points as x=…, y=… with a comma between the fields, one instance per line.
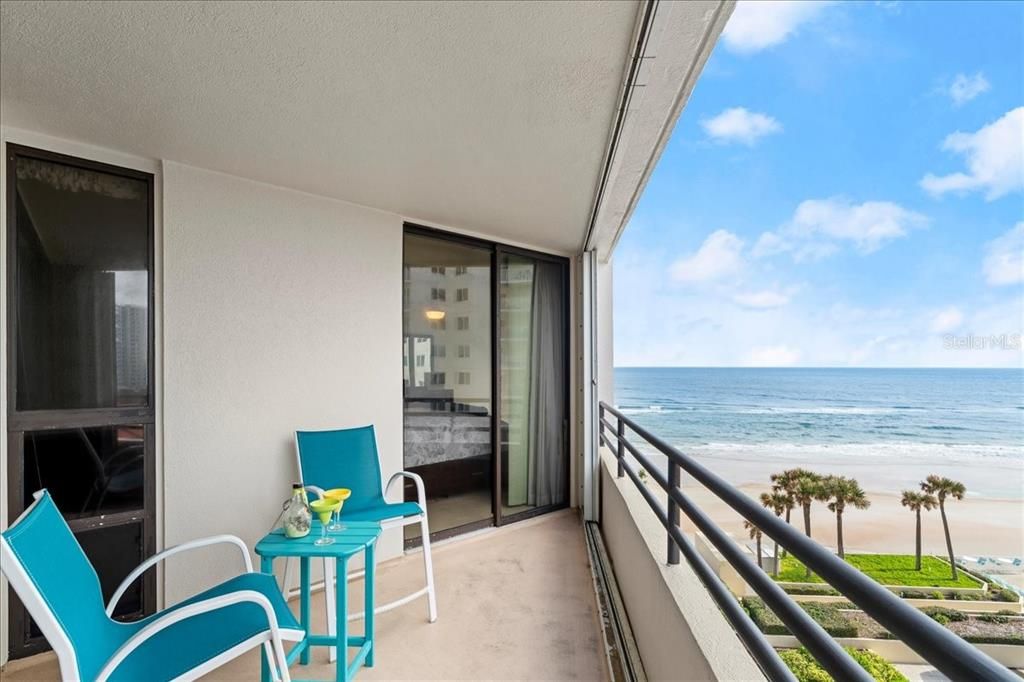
x=428, y=568
x=280, y=659
x=272, y=661
x=331, y=604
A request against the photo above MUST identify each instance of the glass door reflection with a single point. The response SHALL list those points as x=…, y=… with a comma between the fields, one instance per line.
x=447, y=375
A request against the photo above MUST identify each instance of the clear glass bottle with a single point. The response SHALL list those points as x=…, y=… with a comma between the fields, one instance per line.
x=297, y=518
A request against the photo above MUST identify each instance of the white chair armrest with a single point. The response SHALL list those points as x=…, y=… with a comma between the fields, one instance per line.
x=178, y=615
x=421, y=494
x=171, y=551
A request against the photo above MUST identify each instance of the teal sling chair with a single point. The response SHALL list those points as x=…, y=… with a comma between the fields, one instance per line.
x=348, y=458
x=46, y=567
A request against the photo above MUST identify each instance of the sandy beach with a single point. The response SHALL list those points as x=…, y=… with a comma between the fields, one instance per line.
x=981, y=524
x=987, y=527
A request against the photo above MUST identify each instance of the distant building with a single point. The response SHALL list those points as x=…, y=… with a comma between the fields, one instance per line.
x=448, y=357
x=130, y=333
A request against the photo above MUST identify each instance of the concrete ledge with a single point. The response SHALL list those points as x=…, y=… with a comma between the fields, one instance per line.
x=680, y=632
x=957, y=604
x=732, y=579
x=895, y=651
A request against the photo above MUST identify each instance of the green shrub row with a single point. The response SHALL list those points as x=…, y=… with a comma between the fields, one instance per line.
x=1003, y=594
x=803, y=666
x=921, y=594
x=812, y=590
x=993, y=594
x=1015, y=640
x=806, y=669
x=879, y=668
x=826, y=615
x=998, y=618
x=943, y=615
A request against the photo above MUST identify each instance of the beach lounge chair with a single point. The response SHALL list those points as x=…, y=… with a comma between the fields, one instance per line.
x=348, y=458
x=48, y=570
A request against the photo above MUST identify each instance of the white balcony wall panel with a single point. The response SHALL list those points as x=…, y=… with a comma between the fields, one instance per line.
x=281, y=310
x=680, y=631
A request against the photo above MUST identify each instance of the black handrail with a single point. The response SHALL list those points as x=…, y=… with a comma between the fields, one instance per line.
x=949, y=653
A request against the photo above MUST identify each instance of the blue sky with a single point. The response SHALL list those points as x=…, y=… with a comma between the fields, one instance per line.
x=845, y=187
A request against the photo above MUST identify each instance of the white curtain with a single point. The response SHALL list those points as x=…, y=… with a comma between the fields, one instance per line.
x=548, y=463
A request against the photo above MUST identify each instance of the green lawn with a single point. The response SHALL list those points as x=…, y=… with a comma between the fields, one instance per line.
x=888, y=569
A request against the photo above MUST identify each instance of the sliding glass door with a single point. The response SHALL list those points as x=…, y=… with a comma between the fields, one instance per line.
x=485, y=370
x=447, y=366
x=533, y=378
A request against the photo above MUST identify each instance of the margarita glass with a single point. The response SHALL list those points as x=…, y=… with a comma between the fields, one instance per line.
x=323, y=508
x=339, y=495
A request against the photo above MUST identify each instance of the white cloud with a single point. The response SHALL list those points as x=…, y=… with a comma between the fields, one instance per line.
x=994, y=156
x=947, y=320
x=1004, y=258
x=701, y=327
x=773, y=356
x=964, y=88
x=818, y=226
x=755, y=26
x=761, y=300
x=740, y=125
x=719, y=256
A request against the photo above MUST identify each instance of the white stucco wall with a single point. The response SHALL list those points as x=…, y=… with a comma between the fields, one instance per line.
x=281, y=310
x=276, y=310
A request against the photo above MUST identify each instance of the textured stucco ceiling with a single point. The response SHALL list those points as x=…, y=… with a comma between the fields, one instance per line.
x=487, y=117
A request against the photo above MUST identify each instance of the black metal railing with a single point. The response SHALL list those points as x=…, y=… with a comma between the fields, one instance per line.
x=950, y=654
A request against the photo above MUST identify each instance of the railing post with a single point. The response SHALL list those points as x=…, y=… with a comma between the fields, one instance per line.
x=620, y=450
x=673, y=512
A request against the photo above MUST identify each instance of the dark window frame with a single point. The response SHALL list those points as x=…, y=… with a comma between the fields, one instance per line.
x=498, y=249
x=21, y=421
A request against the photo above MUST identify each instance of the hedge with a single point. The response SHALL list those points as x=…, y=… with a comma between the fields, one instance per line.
x=828, y=591
x=1003, y=594
x=997, y=618
x=803, y=666
x=879, y=668
x=943, y=615
x=1015, y=640
x=826, y=615
x=806, y=669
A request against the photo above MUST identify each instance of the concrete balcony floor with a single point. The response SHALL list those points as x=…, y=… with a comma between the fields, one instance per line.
x=514, y=603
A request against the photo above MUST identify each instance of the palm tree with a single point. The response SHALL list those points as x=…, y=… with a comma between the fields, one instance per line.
x=807, y=489
x=916, y=501
x=941, y=488
x=785, y=483
x=778, y=502
x=755, y=534
x=843, y=492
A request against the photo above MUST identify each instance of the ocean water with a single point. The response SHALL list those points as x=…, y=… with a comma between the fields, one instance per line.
x=889, y=427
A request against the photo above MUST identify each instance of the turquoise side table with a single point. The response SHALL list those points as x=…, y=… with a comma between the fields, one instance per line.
x=358, y=536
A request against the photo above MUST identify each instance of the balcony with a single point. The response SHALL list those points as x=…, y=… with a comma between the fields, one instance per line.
x=516, y=602
x=275, y=162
